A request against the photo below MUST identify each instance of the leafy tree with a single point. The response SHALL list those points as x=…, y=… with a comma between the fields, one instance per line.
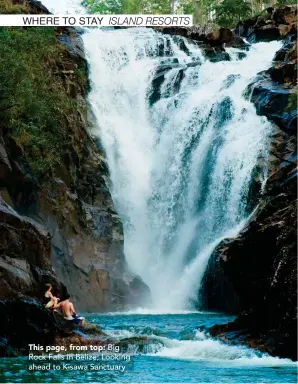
x=230, y=12
x=286, y=2
x=128, y=6
x=227, y=12
x=205, y=9
x=104, y=6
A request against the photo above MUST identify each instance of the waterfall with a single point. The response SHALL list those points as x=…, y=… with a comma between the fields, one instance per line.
x=182, y=142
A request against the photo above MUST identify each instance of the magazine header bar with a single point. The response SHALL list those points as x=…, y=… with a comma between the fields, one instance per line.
x=96, y=20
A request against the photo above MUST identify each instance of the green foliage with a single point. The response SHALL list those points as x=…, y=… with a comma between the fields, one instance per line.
x=103, y=6
x=33, y=100
x=7, y=6
x=227, y=13
x=286, y=2
x=127, y=6
x=205, y=9
x=230, y=12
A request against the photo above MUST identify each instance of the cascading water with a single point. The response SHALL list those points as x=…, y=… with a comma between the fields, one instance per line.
x=182, y=143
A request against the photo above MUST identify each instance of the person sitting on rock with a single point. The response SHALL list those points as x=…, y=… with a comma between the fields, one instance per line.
x=50, y=301
x=69, y=312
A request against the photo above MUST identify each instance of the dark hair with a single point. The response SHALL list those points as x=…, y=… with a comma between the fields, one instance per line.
x=67, y=296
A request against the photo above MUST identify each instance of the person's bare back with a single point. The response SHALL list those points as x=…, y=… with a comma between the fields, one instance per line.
x=67, y=308
x=69, y=312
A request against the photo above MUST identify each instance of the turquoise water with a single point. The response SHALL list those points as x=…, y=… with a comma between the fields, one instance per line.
x=178, y=350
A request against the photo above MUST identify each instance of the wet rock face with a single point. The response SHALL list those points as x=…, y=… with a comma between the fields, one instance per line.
x=83, y=244
x=17, y=183
x=274, y=24
x=208, y=34
x=25, y=263
x=275, y=92
x=256, y=273
x=265, y=278
x=272, y=101
x=212, y=40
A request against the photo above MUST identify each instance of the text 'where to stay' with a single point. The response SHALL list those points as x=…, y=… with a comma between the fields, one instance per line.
x=96, y=20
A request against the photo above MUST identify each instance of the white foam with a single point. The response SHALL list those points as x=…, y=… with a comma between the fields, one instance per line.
x=153, y=311
x=120, y=334
x=205, y=348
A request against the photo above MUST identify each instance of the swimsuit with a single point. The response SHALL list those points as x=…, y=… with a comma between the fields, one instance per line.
x=75, y=318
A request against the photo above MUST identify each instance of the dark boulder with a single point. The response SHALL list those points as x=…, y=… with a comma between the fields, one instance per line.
x=37, y=7
x=272, y=101
x=283, y=53
x=284, y=70
x=285, y=15
x=273, y=24
x=217, y=292
x=208, y=34
x=285, y=73
x=275, y=92
x=181, y=44
x=215, y=55
x=26, y=321
x=159, y=78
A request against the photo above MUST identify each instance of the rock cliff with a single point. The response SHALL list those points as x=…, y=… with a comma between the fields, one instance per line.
x=25, y=263
x=255, y=275
x=57, y=214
